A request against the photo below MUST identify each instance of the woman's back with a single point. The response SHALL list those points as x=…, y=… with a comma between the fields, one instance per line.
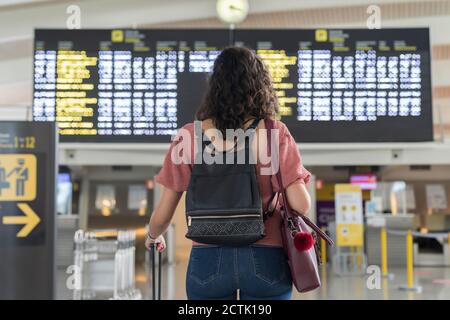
x=176, y=175
x=239, y=91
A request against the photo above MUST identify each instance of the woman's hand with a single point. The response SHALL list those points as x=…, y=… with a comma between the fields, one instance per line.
x=160, y=243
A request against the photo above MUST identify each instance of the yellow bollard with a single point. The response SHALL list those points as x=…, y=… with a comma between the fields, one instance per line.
x=410, y=266
x=409, y=260
x=323, y=249
x=324, y=279
x=385, y=289
x=359, y=257
x=384, y=256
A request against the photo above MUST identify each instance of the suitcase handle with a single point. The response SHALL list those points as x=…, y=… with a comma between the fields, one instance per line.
x=153, y=267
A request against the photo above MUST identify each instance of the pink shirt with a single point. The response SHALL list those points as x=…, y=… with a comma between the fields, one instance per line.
x=176, y=176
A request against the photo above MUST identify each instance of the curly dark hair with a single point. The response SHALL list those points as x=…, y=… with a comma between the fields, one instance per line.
x=239, y=88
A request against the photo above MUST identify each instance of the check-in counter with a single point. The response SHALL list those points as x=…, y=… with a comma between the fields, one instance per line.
x=396, y=244
x=66, y=227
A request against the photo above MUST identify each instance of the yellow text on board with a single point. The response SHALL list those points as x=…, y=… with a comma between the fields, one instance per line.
x=321, y=35
x=17, y=177
x=117, y=36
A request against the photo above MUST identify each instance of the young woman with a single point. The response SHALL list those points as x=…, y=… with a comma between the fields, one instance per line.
x=240, y=91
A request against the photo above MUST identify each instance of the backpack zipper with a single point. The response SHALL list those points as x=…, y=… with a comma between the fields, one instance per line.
x=221, y=217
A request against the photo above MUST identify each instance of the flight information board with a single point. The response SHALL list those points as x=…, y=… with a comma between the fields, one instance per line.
x=333, y=85
x=121, y=85
x=349, y=85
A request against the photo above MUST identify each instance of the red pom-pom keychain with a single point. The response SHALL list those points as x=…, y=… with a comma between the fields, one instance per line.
x=303, y=241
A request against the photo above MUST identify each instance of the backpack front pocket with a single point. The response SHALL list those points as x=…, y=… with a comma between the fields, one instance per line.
x=230, y=191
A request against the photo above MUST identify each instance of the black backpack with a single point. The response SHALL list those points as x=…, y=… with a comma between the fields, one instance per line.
x=223, y=203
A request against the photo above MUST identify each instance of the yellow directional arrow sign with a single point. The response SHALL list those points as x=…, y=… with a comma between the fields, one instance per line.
x=30, y=220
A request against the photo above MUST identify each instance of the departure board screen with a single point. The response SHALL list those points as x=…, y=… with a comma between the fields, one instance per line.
x=121, y=85
x=333, y=85
x=351, y=85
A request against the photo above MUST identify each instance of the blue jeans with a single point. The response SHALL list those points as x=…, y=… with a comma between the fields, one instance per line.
x=259, y=272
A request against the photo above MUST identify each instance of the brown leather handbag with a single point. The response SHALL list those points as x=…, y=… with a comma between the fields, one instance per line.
x=299, y=241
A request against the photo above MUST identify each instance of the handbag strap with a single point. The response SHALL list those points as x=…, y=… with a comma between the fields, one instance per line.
x=287, y=208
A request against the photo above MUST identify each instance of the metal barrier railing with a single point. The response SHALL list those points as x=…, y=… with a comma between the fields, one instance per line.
x=96, y=255
x=409, y=238
x=409, y=235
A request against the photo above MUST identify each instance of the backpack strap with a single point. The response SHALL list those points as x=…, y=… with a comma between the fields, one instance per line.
x=254, y=124
x=207, y=142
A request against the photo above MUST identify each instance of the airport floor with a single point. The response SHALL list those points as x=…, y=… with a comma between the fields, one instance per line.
x=435, y=283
